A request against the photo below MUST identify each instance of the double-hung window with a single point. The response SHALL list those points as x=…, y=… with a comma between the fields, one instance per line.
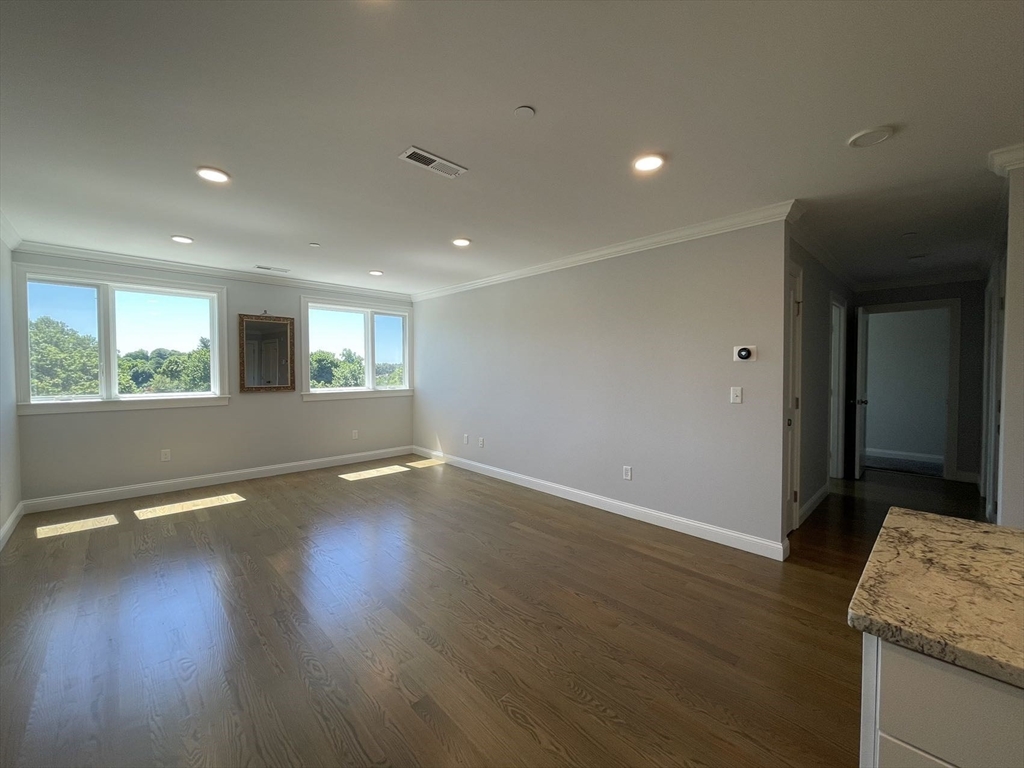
x=88, y=338
x=354, y=350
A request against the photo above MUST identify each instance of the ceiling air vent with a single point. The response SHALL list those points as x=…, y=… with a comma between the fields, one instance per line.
x=271, y=269
x=432, y=162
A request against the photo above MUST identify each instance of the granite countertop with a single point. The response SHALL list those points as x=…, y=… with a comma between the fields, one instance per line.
x=948, y=588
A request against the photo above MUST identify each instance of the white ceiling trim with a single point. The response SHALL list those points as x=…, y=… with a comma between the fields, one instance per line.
x=765, y=215
x=102, y=257
x=8, y=233
x=1004, y=160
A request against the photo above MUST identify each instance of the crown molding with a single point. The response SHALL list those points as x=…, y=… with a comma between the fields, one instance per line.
x=765, y=215
x=8, y=233
x=120, y=259
x=1007, y=159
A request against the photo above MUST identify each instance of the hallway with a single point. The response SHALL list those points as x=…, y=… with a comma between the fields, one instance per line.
x=844, y=526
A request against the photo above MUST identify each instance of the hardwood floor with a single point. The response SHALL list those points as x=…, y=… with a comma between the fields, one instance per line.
x=428, y=617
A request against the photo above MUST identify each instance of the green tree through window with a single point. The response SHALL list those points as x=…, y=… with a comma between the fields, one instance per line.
x=62, y=361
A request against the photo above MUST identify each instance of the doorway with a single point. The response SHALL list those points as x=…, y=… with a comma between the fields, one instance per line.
x=994, y=318
x=908, y=387
x=837, y=390
x=793, y=382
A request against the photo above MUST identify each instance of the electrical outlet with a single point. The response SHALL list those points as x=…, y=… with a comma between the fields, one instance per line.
x=480, y=442
x=627, y=473
x=355, y=434
x=165, y=454
x=465, y=439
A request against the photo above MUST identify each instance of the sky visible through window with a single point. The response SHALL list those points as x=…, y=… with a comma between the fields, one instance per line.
x=70, y=304
x=148, y=321
x=336, y=330
x=151, y=320
x=144, y=320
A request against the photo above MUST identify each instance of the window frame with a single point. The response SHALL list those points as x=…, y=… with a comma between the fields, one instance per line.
x=107, y=284
x=369, y=311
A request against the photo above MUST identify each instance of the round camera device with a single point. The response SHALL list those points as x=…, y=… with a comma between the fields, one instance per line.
x=744, y=353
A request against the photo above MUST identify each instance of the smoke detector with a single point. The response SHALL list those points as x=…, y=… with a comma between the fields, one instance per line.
x=432, y=162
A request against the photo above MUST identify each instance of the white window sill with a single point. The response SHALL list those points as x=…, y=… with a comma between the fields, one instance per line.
x=140, y=404
x=354, y=394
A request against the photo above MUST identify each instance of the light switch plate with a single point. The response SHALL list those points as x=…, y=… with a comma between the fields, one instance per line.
x=736, y=395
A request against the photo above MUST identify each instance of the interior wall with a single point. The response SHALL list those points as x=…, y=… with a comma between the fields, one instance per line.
x=816, y=366
x=572, y=374
x=73, y=452
x=972, y=359
x=1010, y=509
x=908, y=384
x=10, y=458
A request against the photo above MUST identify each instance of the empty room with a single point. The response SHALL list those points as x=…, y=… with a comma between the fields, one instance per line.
x=491, y=384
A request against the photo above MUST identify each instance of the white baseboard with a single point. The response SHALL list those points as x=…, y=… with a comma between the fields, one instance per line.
x=812, y=504
x=11, y=524
x=881, y=453
x=765, y=547
x=63, y=501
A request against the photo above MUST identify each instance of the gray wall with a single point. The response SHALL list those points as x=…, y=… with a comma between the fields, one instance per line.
x=572, y=374
x=10, y=462
x=1011, y=470
x=816, y=366
x=72, y=452
x=908, y=381
x=972, y=356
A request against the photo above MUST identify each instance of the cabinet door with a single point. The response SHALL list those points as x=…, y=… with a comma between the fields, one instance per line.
x=952, y=713
x=896, y=754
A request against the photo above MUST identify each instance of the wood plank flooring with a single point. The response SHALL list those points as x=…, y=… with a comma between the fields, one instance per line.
x=428, y=617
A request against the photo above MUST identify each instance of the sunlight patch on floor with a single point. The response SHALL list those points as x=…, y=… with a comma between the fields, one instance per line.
x=366, y=474
x=188, y=506
x=75, y=526
x=425, y=463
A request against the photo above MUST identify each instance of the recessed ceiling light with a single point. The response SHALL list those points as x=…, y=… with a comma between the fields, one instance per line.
x=909, y=234
x=461, y=242
x=216, y=175
x=182, y=239
x=917, y=256
x=314, y=245
x=871, y=136
x=524, y=112
x=648, y=163
x=376, y=273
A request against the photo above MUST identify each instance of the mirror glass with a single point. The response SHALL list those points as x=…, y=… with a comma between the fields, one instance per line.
x=266, y=353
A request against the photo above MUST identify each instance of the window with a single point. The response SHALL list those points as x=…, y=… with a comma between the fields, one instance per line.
x=337, y=340
x=389, y=351
x=163, y=342
x=355, y=350
x=91, y=339
x=64, y=351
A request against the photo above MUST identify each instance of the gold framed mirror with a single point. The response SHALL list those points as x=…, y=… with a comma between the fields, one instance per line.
x=266, y=353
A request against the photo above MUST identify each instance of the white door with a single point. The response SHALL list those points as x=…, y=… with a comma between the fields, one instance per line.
x=837, y=391
x=990, y=482
x=251, y=367
x=862, y=395
x=792, y=410
x=268, y=369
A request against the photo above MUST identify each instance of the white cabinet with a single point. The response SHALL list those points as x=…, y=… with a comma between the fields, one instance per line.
x=918, y=711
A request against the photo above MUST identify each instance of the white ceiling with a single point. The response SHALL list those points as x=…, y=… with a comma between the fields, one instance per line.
x=106, y=110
